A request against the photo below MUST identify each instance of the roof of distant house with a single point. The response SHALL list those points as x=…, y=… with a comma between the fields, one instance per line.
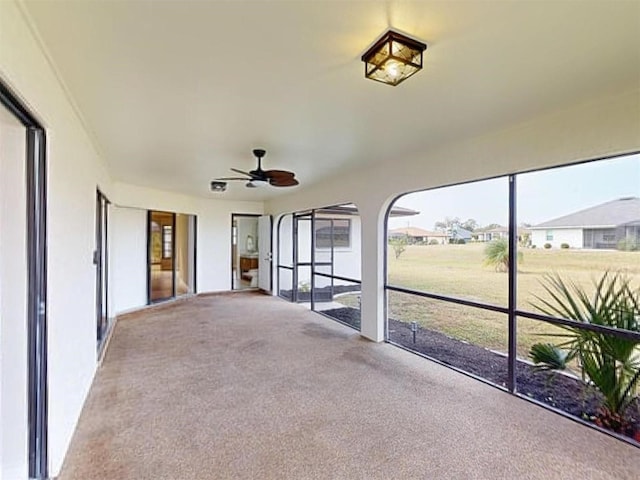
x=398, y=211
x=351, y=209
x=416, y=232
x=606, y=215
x=462, y=232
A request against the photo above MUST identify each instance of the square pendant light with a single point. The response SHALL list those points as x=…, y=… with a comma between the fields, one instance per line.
x=393, y=58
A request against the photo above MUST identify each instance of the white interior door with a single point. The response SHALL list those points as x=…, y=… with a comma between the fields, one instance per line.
x=264, y=253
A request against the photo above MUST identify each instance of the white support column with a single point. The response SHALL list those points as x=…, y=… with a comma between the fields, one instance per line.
x=373, y=235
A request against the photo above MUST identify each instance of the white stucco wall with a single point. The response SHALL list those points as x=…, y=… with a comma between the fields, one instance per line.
x=213, y=261
x=128, y=259
x=571, y=236
x=74, y=172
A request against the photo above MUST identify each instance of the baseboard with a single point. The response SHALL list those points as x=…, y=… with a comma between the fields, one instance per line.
x=105, y=343
x=246, y=291
x=129, y=312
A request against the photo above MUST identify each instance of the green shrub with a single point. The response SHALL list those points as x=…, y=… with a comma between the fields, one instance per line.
x=628, y=245
x=564, y=246
x=399, y=244
x=547, y=246
x=433, y=241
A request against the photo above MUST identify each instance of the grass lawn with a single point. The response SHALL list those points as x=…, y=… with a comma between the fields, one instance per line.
x=459, y=271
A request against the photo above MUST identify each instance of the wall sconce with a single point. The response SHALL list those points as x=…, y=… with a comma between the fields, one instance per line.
x=393, y=58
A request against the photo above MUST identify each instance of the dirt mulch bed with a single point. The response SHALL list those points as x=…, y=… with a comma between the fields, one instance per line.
x=566, y=393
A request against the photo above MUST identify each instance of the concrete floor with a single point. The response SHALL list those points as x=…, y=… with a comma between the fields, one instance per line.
x=250, y=386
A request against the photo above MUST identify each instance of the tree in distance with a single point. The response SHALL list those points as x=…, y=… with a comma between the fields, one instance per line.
x=399, y=244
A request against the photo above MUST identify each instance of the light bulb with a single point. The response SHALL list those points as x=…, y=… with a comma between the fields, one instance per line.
x=392, y=68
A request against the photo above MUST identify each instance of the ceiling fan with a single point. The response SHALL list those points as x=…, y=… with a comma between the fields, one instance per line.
x=276, y=178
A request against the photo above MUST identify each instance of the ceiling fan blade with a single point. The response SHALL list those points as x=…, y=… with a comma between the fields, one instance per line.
x=233, y=178
x=243, y=173
x=278, y=174
x=288, y=181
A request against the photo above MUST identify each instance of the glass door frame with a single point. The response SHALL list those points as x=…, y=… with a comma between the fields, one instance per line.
x=150, y=300
x=36, y=250
x=101, y=261
x=234, y=236
x=192, y=246
x=297, y=264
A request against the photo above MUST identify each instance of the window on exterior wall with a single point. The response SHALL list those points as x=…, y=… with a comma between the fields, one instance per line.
x=166, y=241
x=333, y=233
x=549, y=236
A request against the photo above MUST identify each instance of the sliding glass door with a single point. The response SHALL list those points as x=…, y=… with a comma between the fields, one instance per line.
x=171, y=255
x=184, y=254
x=23, y=293
x=101, y=261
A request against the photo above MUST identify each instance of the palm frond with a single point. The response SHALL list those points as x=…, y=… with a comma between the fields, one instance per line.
x=549, y=357
x=610, y=363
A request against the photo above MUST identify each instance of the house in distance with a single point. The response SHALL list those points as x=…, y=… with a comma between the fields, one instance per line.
x=611, y=225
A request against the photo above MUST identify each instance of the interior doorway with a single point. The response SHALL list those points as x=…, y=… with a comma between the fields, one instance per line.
x=171, y=255
x=245, y=257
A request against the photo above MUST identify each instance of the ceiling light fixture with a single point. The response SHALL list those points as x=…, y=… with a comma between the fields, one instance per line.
x=393, y=58
x=218, y=186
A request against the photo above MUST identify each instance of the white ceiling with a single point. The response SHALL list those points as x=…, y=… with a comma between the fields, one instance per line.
x=174, y=93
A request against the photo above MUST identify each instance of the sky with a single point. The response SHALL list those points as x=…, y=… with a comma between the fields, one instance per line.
x=542, y=195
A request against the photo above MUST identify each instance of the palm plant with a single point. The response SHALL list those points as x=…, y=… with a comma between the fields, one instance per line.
x=610, y=363
x=497, y=254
